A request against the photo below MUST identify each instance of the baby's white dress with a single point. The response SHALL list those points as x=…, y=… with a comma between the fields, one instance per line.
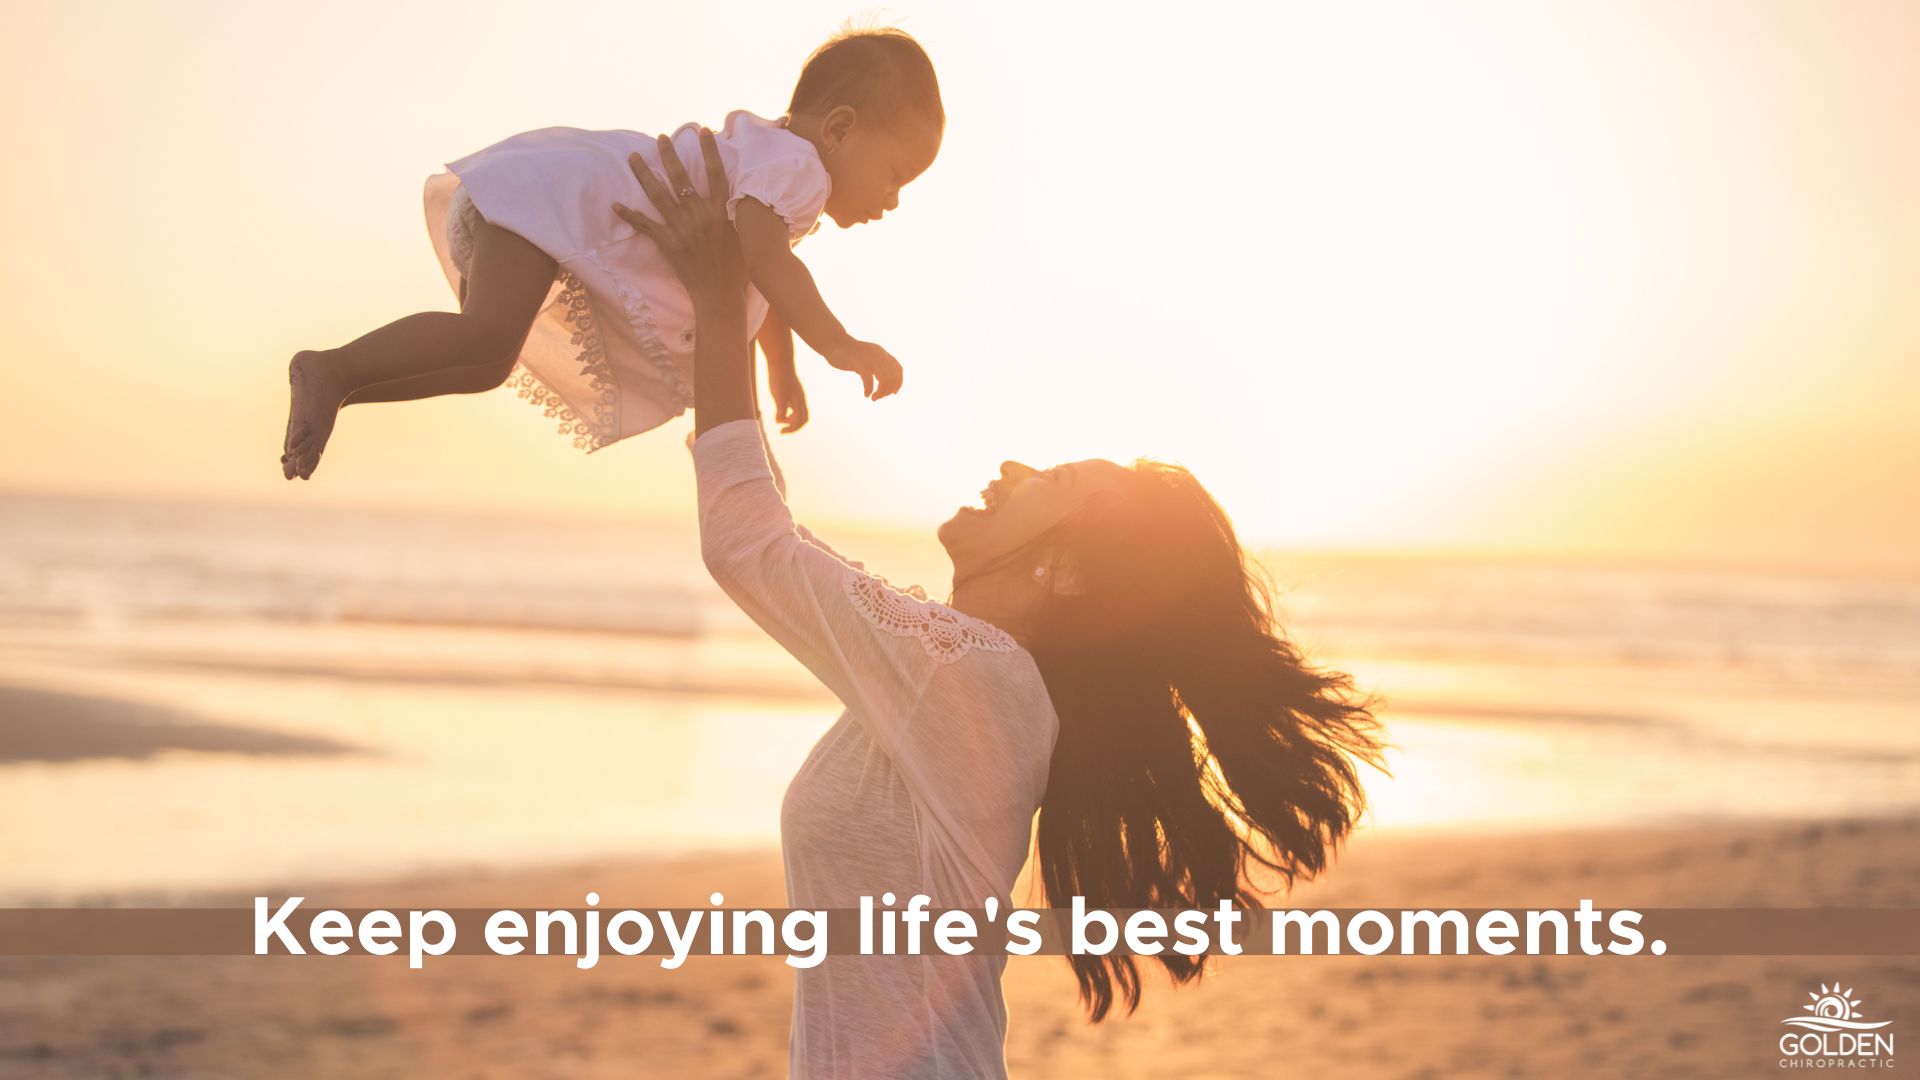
x=611, y=353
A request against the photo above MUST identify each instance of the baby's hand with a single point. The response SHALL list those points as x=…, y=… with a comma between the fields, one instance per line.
x=879, y=372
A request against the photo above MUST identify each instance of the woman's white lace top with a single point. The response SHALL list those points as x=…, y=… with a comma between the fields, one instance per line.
x=927, y=783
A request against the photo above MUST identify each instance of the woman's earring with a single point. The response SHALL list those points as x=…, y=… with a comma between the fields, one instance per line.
x=1039, y=573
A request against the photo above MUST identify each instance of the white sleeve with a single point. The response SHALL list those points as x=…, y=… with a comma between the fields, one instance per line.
x=794, y=187
x=799, y=593
x=972, y=740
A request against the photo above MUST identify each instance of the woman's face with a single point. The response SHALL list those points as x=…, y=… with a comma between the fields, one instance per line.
x=1023, y=503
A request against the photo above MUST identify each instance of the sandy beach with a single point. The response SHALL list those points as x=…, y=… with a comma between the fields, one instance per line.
x=220, y=704
x=1251, y=1017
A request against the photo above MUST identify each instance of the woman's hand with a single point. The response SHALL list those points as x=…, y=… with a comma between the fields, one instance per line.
x=698, y=241
x=693, y=233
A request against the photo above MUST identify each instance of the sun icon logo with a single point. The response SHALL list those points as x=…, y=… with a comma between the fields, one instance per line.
x=1834, y=1004
x=1833, y=1009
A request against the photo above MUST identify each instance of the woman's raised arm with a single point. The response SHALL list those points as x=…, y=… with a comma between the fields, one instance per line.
x=801, y=594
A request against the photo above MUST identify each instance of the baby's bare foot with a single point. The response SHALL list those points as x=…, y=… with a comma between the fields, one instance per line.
x=310, y=414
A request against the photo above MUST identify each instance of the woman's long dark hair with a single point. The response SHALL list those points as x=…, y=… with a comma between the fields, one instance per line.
x=1193, y=736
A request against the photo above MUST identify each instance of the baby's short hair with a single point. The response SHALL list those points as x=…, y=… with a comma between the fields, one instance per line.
x=884, y=74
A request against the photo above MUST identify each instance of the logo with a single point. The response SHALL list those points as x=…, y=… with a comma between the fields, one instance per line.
x=1835, y=1035
x=1833, y=1010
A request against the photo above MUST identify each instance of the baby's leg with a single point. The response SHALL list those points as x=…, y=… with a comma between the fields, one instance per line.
x=433, y=352
x=473, y=379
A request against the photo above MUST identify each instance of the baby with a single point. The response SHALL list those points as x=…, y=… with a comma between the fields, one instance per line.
x=578, y=311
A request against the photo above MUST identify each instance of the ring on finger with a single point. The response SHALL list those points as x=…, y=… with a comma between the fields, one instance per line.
x=688, y=192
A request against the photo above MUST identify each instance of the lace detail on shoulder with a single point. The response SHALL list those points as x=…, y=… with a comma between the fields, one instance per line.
x=601, y=429
x=946, y=634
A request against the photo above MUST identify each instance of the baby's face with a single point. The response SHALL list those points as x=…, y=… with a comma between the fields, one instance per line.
x=872, y=164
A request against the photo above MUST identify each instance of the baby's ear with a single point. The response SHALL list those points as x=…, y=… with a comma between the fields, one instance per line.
x=839, y=123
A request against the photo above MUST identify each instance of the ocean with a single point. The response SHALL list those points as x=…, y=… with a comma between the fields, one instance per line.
x=198, y=696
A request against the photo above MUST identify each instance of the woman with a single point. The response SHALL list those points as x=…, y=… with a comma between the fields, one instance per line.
x=1107, y=658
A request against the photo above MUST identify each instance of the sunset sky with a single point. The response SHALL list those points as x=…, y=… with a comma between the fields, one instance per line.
x=1597, y=279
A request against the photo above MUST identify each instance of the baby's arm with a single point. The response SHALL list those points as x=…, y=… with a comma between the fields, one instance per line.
x=784, y=280
x=789, y=287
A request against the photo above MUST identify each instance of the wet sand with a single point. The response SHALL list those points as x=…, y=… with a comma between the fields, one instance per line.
x=52, y=726
x=1252, y=1016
